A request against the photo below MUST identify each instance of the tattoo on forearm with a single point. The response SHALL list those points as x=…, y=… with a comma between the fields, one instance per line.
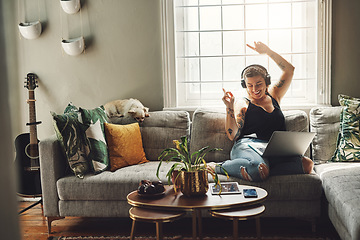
x=240, y=119
x=237, y=135
x=230, y=111
x=230, y=131
x=240, y=122
x=280, y=83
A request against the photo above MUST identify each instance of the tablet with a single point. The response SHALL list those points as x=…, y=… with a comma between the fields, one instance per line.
x=226, y=188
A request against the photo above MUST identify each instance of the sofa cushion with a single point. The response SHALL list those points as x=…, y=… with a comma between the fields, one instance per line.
x=107, y=185
x=296, y=121
x=125, y=145
x=325, y=122
x=341, y=184
x=160, y=129
x=208, y=129
x=299, y=187
x=116, y=185
x=348, y=144
x=94, y=120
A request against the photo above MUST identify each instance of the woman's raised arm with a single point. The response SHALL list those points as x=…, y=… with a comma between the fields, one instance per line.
x=278, y=89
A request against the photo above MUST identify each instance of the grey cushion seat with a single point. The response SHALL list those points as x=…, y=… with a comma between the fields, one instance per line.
x=116, y=185
x=341, y=183
x=289, y=187
x=109, y=186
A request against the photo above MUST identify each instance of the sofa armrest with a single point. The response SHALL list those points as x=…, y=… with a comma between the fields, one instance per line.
x=52, y=167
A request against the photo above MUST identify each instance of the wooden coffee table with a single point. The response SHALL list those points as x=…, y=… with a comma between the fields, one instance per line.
x=177, y=201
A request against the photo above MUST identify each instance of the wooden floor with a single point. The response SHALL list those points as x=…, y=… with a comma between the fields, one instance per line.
x=34, y=227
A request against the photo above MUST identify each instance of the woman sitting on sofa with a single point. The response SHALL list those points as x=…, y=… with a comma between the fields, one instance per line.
x=255, y=118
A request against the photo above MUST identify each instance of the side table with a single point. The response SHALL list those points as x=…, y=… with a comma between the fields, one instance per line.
x=157, y=216
x=241, y=214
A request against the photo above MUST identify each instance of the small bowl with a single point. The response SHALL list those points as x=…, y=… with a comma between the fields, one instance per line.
x=30, y=30
x=154, y=195
x=73, y=46
x=70, y=6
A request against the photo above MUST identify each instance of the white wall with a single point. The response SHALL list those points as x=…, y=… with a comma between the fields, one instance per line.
x=122, y=58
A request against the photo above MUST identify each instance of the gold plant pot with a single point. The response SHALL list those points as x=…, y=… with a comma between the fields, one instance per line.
x=176, y=180
x=194, y=183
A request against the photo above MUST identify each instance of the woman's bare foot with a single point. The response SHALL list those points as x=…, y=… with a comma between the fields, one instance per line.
x=263, y=170
x=308, y=164
x=245, y=175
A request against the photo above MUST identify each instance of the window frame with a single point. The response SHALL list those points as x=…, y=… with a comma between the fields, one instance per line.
x=323, y=57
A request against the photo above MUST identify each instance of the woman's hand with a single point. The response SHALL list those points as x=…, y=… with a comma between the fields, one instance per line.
x=228, y=99
x=260, y=47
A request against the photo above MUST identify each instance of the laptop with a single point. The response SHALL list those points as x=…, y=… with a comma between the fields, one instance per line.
x=284, y=143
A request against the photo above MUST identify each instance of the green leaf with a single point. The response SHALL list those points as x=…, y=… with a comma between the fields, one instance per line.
x=167, y=152
x=171, y=170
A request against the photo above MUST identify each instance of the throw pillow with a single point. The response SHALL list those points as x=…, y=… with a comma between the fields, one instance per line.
x=125, y=145
x=71, y=108
x=94, y=121
x=348, y=143
x=70, y=132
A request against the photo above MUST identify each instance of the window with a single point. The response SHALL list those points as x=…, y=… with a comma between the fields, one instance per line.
x=204, y=44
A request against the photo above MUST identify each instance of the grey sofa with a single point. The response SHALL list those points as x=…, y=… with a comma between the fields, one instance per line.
x=341, y=181
x=104, y=194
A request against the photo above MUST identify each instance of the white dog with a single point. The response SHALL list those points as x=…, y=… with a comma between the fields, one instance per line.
x=127, y=109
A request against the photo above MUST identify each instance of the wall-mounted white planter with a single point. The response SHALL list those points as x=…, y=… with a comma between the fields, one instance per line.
x=30, y=30
x=70, y=6
x=73, y=46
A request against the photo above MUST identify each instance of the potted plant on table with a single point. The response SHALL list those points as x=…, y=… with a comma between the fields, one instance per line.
x=190, y=168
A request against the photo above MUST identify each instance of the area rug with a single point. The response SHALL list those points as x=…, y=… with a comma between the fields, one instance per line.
x=177, y=238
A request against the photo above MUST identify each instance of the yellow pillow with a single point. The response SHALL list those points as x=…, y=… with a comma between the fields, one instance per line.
x=125, y=145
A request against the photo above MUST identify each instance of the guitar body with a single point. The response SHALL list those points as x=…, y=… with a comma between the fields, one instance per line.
x=29, y=179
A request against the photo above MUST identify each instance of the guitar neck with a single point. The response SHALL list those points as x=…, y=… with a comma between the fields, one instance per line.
x=32, y=117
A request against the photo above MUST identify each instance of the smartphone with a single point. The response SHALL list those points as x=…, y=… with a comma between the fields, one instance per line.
x=250, y=193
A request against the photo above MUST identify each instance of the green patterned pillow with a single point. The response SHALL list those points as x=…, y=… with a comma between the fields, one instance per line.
x=348, y=143
x=94, y=121
x=71, y=108
x=70, y=132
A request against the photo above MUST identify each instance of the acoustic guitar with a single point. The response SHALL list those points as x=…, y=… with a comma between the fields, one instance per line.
x=27, y=151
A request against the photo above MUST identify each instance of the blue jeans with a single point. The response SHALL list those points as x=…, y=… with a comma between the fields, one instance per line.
x=247, y=164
